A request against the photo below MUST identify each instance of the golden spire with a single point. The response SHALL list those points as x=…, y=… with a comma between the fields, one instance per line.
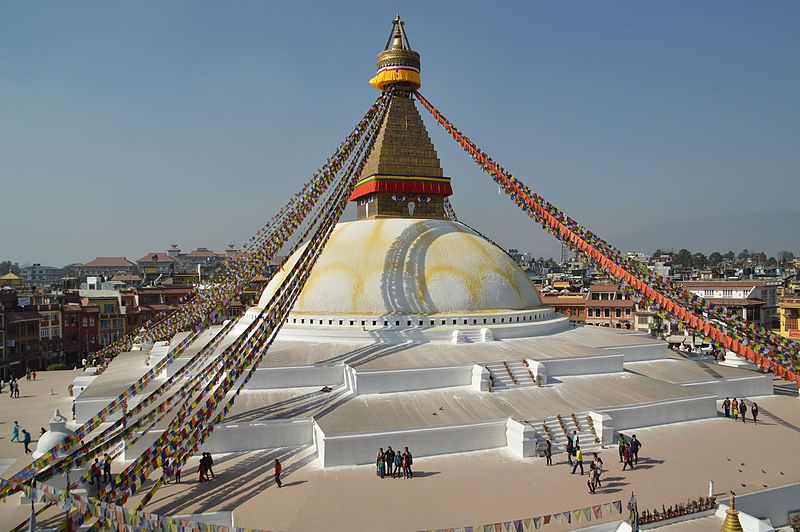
x=732, y=523
x=398, y=64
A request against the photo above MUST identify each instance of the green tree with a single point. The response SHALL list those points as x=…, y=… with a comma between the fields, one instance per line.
x=7, y=266
x=730, y=255
x=699, y=260
x=785, y=257
x=772, y=262
x=744, y=254
x=683, y=258
x=715, y=259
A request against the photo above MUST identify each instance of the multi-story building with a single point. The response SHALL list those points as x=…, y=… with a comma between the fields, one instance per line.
x=36, y=274
x=570, y=304
x=789, y=310
x=753, y=299
x=22, y=341
x=157, y=263
x=51, y=342
x=108, y=266
x=606, y=306
x=111, y=316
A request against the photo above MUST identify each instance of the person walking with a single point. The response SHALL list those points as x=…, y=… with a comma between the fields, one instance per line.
x=570, y=449
x=743, y=410
x=95, y=473
x=202, y=474
x=735, y=409
x=591, y=481
x=278, y=471
x=33, y=374
x=598, y=468
x=578, y=459
x=209, y=465
x=726, y=406
x=16, y=390
x=106, y=468
x=621, y=445
x=380, y=464
x=575, y=439
x=15, y=432
x=635, y=446
x=176, y=471
x=754, y=411
x=398, y=465
x=166, y=472
x=26, y=440
x=389, y=461
x=548, y=452
x=409, y=461
x=626, y=457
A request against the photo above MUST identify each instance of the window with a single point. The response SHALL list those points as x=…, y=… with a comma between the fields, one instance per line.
x=619, y=313
x=85, y=322
x=607, y=313
x=590, y=313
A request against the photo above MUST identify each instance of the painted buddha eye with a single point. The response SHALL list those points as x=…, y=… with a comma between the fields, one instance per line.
x=424, y=199
x=398, y=198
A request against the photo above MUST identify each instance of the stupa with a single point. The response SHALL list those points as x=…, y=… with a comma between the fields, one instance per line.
x=414, y=330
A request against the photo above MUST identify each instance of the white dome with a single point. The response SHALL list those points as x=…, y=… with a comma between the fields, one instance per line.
x=409, y=266
x=58, y=433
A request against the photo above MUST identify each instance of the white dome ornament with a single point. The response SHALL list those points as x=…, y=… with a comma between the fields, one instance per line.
x=58, y=433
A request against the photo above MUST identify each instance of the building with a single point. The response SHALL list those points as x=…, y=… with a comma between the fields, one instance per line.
x=111, y=317
x=606, y=306
x=572, y=305
x=22, y=341
x=108, y=266
x=157, y=263
x=753, y=299
x=789, y=310
x=36, y=274
x=51, y=342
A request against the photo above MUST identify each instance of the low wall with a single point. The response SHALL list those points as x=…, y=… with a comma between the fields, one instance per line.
x=404, y=380
x=591, y=365
x=662, y=413
x=751, y=386
x=235, y=437
x=296, y=376
x=358, y=449
x=641, y=352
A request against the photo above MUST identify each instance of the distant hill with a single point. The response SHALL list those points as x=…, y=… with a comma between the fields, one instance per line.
x=769, y=231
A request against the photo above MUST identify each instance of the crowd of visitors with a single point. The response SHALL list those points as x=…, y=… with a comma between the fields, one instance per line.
x=738, y=407
x=394, y=463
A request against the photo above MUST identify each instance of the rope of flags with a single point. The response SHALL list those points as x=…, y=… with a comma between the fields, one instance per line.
x=581, y=515
x=720, y=326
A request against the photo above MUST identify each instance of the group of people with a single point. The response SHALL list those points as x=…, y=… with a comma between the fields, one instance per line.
x=96, y=468
x=26, y=436
x=628, y=451
x=394, y=463
x=13, y=387
x=738, y=407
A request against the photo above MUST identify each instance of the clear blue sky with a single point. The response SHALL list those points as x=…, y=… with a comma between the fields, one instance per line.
x=125, y=126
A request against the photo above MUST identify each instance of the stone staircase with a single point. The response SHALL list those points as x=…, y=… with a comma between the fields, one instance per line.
x=472, y=336
x=551, y=427
x=510, y=374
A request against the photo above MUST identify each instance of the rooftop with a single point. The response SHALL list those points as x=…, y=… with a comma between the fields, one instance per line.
x=109, y=262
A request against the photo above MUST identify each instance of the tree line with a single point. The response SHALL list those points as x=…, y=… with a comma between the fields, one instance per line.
x=7, y=266
x=686, y=258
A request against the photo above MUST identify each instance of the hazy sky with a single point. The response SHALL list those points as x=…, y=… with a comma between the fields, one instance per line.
x=125, y=126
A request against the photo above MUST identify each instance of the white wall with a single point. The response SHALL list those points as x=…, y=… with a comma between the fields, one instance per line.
x=662, y=413
x=296, y=376
x=361, y=448
x=590, y=365
x=403, y=380
x=751, y=386
x=772, y=503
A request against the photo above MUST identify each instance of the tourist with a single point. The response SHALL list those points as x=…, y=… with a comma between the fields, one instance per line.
x=26, y=440
x=176, y=471
x=94, y=471
x=635, y=446
x=166, y=472
x=591, y=481
x=389, y=460
x=380, y=464
x=209, y=465
x=548, y=452
x=578, y=459
x=735, y=409
x=83, y=363
x=743, y=410
x=570, y=449
x=398, y=464
x=598, y=468
x=408, y=462
x=15, y=432
x=278, y=470
x=726, y=405
x=42, y=431
x=626, y=457
x=621, y=445
x=754, y=411
x=16, y=390
x=33, y=374
x=575, y=439
x=28, y=374
x=106, y=468
x=202, y=474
